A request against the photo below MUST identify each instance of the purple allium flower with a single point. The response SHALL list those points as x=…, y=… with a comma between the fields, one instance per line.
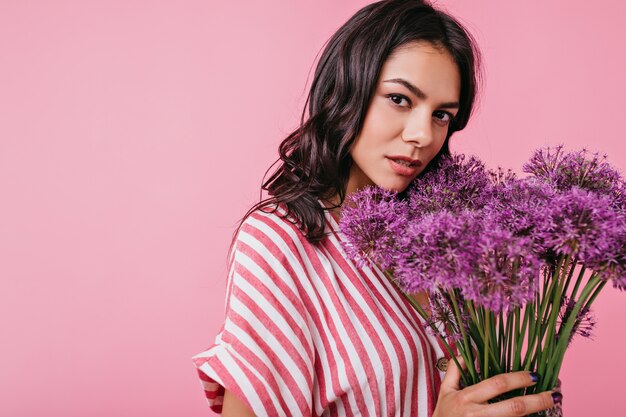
x=619, y=198
x=613, y=265
x=507, y=271
x=499, y=176
x=585, y=226
x=584, y=323
x=565, y=170
x=455, y=184
x=469, y=252
x=589, y=215
x=372, y=220
x=438, y=251
x=522, y=206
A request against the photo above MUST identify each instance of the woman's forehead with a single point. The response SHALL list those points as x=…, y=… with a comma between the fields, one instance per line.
x=427, y=67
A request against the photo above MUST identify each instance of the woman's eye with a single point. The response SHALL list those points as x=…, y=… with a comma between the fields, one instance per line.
x=444, y=116
x=397, y=99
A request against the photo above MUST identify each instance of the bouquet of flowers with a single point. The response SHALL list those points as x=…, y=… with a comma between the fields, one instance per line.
x=511, y=265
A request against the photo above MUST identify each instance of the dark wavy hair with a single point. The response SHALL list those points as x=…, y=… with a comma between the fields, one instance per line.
x=314, y=160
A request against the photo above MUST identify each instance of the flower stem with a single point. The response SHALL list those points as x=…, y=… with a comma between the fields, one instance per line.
x=486, y=348
x=533, y=354
x=519, y=338
x=549, y=348
x=578, y=282
x=508, y=347
x=569, y=277
x=468, y=349
x=594, y=295
x=559, y=353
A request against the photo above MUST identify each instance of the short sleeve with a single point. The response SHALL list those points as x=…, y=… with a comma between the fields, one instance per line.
x=264, y=351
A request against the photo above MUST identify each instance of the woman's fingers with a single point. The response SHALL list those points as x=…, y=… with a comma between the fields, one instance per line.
x=498, y=384
x=451, y=380
x=522, y=405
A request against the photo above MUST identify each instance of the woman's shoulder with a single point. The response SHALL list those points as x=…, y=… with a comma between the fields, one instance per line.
x=277, y=214
x=271, y=223
x=271, y=240
x=276, y=222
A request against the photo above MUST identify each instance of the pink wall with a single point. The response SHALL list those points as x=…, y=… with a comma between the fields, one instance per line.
x=134, y=134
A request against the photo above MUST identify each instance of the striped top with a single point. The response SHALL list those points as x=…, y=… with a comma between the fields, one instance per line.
x=308, y=333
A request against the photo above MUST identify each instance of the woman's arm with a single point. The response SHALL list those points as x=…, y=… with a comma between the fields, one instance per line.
x=233, y=407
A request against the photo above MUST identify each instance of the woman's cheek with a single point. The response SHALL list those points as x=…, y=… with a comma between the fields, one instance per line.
x=384, y=122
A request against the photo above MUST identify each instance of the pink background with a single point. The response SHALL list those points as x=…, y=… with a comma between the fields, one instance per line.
x=134, y=134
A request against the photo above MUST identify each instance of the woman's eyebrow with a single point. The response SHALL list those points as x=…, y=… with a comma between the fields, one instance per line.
x=419, y=93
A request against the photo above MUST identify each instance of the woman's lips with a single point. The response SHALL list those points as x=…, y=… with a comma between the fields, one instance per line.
x=400, y=167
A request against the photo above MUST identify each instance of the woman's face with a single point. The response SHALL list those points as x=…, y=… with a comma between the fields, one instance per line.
x=407, y=119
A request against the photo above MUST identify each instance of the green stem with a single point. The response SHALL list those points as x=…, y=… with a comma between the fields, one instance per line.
x=472, y=310
x=569, y=276
x=578, y=282
x=548, y=351
x=530, y=317
x=595, y=295
x=491, y=322
x=469, y=360
x=559, y=353
x=501, y=337
x=519, y=339
x=486, y=351
x=533, y=353
x=509, y=340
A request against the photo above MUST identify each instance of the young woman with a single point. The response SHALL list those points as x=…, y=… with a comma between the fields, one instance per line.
x=307, y=332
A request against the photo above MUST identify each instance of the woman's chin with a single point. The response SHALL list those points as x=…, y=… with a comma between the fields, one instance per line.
x=395, y=187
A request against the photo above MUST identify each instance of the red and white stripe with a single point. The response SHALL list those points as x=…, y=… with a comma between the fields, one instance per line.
x=307, y=333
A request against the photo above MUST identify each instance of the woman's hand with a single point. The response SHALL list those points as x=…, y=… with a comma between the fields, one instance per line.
x=472, y=401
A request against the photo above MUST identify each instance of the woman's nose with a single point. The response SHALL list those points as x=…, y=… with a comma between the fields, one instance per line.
x=418, y=129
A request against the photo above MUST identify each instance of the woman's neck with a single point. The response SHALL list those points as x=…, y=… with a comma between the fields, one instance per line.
x=330, y=204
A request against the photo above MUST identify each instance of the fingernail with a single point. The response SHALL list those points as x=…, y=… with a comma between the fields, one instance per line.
x=557, y=397
x=534, y=376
